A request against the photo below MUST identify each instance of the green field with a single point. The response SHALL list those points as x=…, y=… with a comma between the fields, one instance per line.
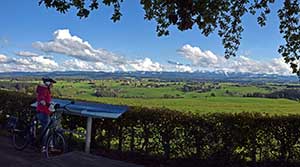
x=210, y=104
x=184, y=101
x=206, y=98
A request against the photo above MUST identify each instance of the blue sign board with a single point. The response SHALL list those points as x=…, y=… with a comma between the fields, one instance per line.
x=90, y=109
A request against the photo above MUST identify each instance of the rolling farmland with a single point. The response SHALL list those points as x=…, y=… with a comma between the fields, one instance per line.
x=181, y=96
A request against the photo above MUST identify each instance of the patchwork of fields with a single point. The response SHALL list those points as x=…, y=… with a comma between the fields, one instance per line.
x=181, y=96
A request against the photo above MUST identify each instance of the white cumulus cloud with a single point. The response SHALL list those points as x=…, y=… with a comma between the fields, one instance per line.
x=89, y=58
x=84, y=57
x=208, y=60
x=27, y=64
x=3, y=58
x=65, y=43
x=183, y=68
x=146, y=65
x=27, y=54
x=197, y=56
x=79, y=65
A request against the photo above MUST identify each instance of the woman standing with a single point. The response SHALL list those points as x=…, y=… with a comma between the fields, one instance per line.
x=43, y=102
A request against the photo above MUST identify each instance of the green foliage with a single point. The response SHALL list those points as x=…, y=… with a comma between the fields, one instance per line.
x=221, y=15
x=15, y=103
x=289, y=27
x=20, y=86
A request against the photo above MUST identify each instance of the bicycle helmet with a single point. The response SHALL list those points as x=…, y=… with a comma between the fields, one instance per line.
x=47, y=81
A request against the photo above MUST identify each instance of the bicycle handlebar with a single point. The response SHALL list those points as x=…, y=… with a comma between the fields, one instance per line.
x=57, y=106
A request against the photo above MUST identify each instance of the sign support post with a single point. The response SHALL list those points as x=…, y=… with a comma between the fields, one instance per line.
x=88, y=134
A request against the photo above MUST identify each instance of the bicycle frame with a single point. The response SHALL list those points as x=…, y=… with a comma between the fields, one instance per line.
x=50, y=128
x=27, y=129
x=55, y=117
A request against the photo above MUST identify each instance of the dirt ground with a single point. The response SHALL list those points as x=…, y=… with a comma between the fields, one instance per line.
x=31, y=157
x=10, y=157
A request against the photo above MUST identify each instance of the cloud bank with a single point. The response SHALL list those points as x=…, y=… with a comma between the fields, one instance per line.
x=27, y=64
x=64, y=43
x=27, y=54
x=85, y=57
x=209, y=60
x=199, y=57
x=82, y=56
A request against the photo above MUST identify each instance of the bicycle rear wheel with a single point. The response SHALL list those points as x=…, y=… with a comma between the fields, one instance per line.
x=56, y=145
x=21, y=136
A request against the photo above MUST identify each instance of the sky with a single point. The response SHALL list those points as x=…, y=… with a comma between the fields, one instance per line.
x=34, y=38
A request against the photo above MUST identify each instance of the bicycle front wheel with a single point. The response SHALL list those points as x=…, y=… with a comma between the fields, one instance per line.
x=56, y=145
x=21, y=136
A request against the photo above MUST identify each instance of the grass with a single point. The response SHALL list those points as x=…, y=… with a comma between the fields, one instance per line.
x=210, y=104
x=150, y=93
x=188, y=102
x=182, y=101
x=234, y=90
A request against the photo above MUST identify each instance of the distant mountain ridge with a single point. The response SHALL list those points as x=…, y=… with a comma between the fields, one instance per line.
x=170, y=76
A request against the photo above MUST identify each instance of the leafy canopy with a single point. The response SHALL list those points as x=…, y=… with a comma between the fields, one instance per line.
x=223, y=16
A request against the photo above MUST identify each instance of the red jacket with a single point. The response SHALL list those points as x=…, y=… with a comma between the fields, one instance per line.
x=43, y=93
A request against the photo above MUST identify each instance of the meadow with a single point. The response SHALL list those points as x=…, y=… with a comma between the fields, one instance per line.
x=194, y=97
x=206, y=98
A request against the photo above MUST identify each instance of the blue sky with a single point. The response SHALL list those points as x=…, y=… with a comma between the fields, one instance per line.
x=133, y=39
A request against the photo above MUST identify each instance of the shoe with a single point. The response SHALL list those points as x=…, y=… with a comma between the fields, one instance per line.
x=43, y=149
x=55, y=150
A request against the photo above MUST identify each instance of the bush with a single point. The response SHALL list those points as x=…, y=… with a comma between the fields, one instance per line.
x=171, y=137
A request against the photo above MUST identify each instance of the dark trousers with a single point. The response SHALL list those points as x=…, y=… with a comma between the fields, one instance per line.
x=44, y=120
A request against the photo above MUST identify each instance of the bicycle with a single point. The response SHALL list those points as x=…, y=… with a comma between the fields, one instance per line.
x=25, y=133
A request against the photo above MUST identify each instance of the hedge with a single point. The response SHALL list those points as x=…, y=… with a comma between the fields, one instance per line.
x=178, y=138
